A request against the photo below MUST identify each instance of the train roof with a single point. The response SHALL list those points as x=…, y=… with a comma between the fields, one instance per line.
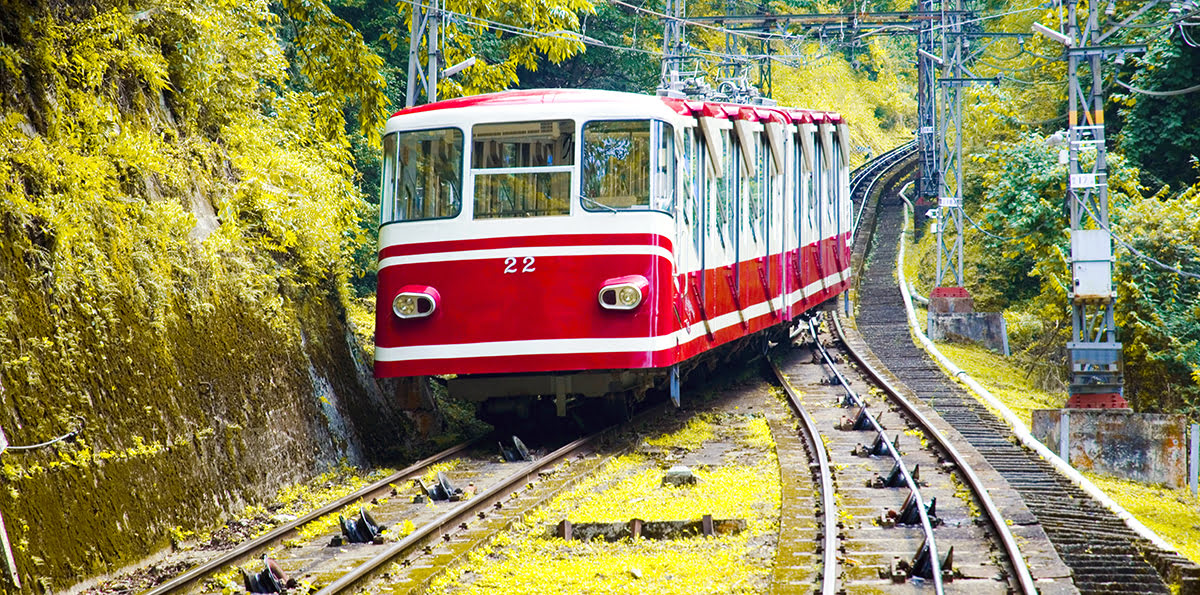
x=684, y=107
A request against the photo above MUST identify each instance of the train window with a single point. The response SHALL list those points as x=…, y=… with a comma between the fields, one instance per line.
x=422, y=175
x=617, y=161
x=616, y=165
x=835, y=171
x=523, y=169
x=755, y=202
x=663, y=162
x=693, y=193
x=816, y=190
x=831, y=176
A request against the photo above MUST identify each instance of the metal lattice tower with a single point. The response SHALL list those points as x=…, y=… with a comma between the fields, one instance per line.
x=927, y=92
x=674, y=48
x=1097, y=377
x=949, y=134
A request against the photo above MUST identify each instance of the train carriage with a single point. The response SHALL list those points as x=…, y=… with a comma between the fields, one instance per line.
x=552, y=245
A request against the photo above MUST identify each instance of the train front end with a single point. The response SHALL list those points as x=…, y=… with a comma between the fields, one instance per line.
x=525, y=247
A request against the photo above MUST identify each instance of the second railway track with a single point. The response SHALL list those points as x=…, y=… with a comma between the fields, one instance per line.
x=1103, y=554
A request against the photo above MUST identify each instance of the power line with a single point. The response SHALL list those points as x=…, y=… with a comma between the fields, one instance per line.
x=1191, y=89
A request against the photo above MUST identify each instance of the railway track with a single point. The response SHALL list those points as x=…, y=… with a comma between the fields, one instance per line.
x=1102, y=553
x=496, y=492
x=876, y=449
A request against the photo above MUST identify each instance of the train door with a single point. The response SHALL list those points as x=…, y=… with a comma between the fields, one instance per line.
x=759, y=225
x=751, y=286
x=713, y=171
x=830, y=261
x=843, y=185
x=838, y=204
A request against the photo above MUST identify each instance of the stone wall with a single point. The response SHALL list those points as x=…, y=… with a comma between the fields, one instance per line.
x=1146, y=447
x=203, y=408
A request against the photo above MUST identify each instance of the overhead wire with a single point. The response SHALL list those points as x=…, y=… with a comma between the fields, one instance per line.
x=1191, y=89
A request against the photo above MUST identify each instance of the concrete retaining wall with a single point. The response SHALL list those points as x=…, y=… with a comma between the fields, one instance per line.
x=986, y=328
x=1145, y=447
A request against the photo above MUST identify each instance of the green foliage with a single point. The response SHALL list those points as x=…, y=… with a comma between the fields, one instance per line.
x=1160, y=132
x=177, y=214
x=604, y=68
x=880, y=107
x=1022, y=206
x=334, y=62
x=1159, y=310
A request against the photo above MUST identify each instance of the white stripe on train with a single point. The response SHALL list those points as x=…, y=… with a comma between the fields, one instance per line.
x=532, y=251
x=595, y=345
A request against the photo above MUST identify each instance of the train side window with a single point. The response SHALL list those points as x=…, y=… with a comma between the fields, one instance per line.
x=816, y=192
x=728, y=191
x=835, y=187
x=831, y=175
x=663, y=184
x=693, y=188
x=616, y=165
x=523, y=169
x=422, y=175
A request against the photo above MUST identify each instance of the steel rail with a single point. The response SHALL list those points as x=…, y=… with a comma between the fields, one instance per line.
x=243, y=551
x=1016, y=558
x=454, y=517
x=829, y=572
x=934, y=562
x=873, y=172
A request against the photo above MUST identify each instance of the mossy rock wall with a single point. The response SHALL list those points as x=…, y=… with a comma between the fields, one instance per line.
x=210, y=411
x=178, y=212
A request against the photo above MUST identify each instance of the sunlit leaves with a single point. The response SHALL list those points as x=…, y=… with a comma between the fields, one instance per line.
x=338, y=68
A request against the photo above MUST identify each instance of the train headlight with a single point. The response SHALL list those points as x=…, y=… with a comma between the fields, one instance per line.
x=629, y=296
x=415, y=301
x=623, y=293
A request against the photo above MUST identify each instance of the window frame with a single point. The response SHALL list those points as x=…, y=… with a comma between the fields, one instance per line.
x=475, y=172
x=462, y=168
x=652, y=168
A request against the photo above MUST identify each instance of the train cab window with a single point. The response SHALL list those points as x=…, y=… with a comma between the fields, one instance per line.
x=522, y=169
x=422, y=175
x=618, y=159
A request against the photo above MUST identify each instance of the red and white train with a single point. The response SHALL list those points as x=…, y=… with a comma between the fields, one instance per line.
x=548, y=245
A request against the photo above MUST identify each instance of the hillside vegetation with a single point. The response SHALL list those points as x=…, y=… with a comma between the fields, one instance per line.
x=188, y=197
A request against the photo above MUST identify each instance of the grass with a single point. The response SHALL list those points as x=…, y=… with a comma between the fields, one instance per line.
x=1172, y=513
x=527, y=561
x=1007, y=381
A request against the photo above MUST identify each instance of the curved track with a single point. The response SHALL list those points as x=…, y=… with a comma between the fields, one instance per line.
x=1104, y=555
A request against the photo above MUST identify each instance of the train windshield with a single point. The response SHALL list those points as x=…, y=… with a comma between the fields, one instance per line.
x=619, y=158
x=422, y=175
x=523, y=169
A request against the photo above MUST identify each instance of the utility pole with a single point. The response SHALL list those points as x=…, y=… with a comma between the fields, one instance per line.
x=425, y=22
x=949, y=255
x=674, y=49
x=1097, y=376
x=927, y=92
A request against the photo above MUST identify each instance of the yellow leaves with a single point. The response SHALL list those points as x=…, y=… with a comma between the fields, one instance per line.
x=698, y=430
x=525, y=561
x=1172, y=513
